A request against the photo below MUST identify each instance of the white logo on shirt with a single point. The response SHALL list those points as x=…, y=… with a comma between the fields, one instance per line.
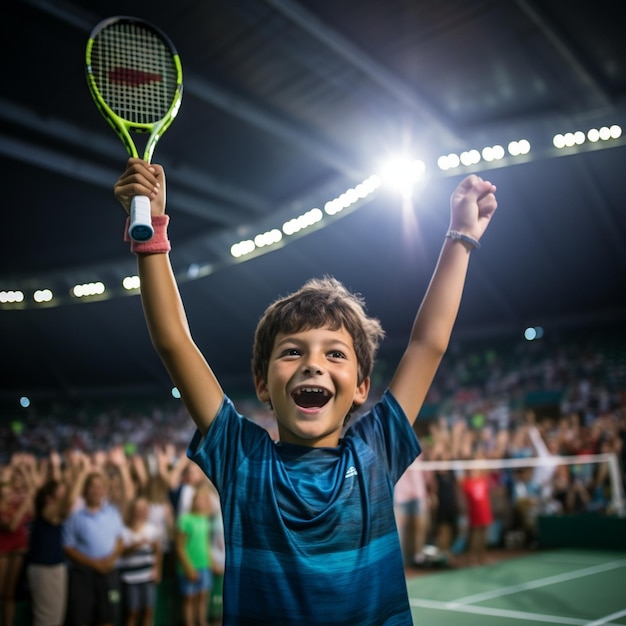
x=351, y=472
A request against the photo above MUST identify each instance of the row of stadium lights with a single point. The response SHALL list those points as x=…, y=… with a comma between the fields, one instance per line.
x=41, y=296
x=308, y=219
x=445, y=163
x=353, y=195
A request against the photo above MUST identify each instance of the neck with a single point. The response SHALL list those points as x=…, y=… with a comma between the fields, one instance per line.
x=51, y=514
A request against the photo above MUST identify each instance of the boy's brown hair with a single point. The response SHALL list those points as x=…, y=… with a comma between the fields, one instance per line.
x=320, y=302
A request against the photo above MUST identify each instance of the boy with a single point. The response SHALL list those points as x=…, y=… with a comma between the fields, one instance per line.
x=309, y=524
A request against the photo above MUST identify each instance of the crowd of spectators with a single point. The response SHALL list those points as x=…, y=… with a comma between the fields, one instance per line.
x=88, y=537
x=511, y=401
x=522, y=400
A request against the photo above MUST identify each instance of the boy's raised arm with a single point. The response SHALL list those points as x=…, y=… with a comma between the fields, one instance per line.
x=163, y=307
x=471, y=207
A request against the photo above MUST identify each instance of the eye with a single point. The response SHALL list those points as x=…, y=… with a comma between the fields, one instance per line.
x=337, y=354
x=290, y=352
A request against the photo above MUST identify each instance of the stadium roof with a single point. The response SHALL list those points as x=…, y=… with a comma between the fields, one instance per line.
x=288, y=104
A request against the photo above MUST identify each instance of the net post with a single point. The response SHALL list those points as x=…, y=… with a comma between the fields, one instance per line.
x=618, y=491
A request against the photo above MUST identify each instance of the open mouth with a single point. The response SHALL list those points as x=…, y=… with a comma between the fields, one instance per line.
x=311, y=397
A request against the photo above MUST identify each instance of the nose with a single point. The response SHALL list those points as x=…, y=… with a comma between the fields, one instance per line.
x=313, y=364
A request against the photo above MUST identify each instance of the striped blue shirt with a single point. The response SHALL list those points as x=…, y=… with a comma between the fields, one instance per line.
x=310, y=532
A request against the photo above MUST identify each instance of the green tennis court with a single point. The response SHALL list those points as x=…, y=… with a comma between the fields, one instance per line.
x=550, y=587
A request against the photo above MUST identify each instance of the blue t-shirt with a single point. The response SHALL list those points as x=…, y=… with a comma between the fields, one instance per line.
x=310, y=532
x=94, y=533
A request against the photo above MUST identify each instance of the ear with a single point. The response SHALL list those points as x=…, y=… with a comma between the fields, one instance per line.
x=262, y=392
x=361, y=392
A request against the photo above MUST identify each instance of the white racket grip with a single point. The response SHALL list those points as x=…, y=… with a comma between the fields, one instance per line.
x=140, y=228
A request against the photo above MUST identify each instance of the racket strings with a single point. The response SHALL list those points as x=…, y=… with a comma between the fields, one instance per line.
x=135, y=72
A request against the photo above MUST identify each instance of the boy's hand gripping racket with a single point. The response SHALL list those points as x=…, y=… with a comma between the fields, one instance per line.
x=135, y=77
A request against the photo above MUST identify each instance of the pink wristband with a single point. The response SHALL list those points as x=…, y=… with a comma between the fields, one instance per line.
x=159, y=244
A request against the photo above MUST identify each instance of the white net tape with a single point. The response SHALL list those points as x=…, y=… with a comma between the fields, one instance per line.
x=617, y=491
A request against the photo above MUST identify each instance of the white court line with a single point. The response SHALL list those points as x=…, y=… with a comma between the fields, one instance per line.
x=481, y=610
x=607, y=618
x=541, y=582
x=568, y=559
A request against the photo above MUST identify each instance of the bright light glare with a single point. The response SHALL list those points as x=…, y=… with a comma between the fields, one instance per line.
x=11, y=296
x=268, y=238
x=517, y=148
x=43, y=295
x=448, y=162
x=242, y=248
x=88, y=289
x=532, y=333
x=470, y=157
x=493, y=153
x=350, y=196
x=303, y=221
x=402, y=173
x=131, y=282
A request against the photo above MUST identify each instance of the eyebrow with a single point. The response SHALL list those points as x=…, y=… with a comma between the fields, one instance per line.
x=328, y=342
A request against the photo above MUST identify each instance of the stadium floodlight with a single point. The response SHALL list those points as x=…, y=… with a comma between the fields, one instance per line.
x=401, y=173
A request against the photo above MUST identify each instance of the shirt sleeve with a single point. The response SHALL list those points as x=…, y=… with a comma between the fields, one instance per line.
x=386, y=429
x=228, y=442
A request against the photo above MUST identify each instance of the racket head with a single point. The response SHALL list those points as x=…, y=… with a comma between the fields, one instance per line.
x=134, y=75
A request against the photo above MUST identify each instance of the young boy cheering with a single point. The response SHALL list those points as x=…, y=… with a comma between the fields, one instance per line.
x=308, y=521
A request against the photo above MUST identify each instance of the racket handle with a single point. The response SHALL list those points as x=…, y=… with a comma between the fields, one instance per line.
x=140, y=228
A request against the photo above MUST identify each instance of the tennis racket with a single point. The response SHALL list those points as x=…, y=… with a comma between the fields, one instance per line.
x=135, y=77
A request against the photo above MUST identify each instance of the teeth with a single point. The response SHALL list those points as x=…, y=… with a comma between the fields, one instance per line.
x=311, y=390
